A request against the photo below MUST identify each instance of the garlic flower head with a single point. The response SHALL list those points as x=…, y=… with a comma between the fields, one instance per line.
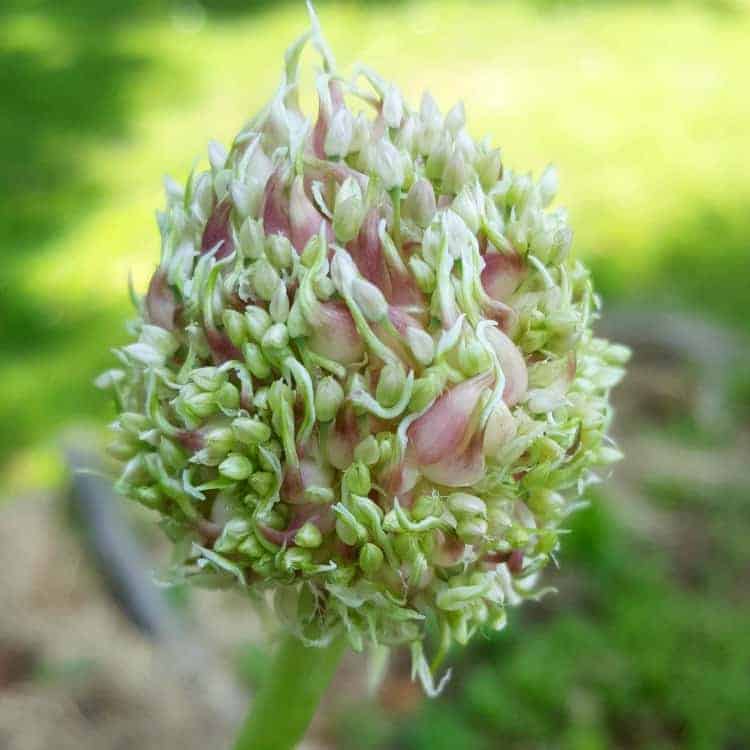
x=364, y=375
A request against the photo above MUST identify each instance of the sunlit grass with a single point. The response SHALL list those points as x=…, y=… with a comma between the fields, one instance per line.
x=640, y=107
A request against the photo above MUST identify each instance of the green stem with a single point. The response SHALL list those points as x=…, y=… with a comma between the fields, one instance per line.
x=287, y=700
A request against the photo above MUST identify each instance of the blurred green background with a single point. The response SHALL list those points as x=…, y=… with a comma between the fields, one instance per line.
x=643, y=107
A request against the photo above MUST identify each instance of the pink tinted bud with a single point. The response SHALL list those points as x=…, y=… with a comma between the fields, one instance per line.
x=512, y=364
x=218, y=231
x=276, y=206
x=334, y=334
x=446, y=441
x=502, y=274
x=161, y=306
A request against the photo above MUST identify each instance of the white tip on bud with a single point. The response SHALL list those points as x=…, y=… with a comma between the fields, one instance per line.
x=217, y=155
x=348, y=211
x=421, y=345
x=456, y=118
x=393, y=107
x=370, y=299
x=420, y=203
x=339, y=137
x=389, y=165
x=548, y=184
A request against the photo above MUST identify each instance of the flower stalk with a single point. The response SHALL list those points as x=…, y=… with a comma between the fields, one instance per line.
x=286, y=702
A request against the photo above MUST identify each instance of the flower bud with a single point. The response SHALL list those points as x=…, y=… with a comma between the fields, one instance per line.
x=423, y=274
x=217, y=154
x=246, y=197
x=405, y=136
x=324, y=288
x=200, y=405
x=360, y=132
x=234, y=325
x=370, y=299
x=367, y=451
x=279, y=307
x=308, y=536
x=473, y=358
x=390, y=385
x=251, y=239
x=419, y=205
x=250, y=547
x=456, y=118
x=250, y=431
x=426, y=389
x=548, y=184
x=279, y=251
x=357, y=479
x=260, y=399
x=236, y=466
x=275, y=338
x=208, y=378
x=295, y=558
x=151, y=497
x=430, y=125
x=233, y=534
x=262, y=482
x=462, y=503
x=437, y=159
x=265, y=279
x=467, y=205
x=455, y=174
x=617, y=354
x=329, y=395
x=541, y=240
x=471, y=528
x=546, y=503
x=339, y=136
x=256, y=361
x=561, y=244
x=421, y=344
x=348, y=210
x=389, y=165
x=123, y=448
x=346, y=532
x=425, y=506
x=258, y=322
x=489, y=168
x=135, y=423
x=370, y=558
x=227, y=397
x=219, y=441
x=393, y=107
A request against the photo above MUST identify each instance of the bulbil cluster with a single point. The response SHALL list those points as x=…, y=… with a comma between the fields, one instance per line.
x=364, y=375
